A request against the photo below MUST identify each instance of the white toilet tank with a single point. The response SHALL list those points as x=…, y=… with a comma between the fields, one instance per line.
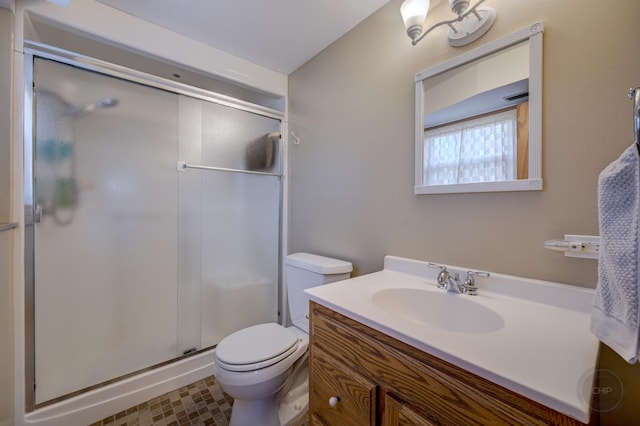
x=305, y=270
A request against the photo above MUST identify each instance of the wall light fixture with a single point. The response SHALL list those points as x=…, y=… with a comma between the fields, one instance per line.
x=469, y=25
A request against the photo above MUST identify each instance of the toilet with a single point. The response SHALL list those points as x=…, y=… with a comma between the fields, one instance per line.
x=265, y=367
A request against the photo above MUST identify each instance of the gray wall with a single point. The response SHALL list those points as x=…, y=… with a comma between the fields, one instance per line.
x=352, y=175
x=6, y=332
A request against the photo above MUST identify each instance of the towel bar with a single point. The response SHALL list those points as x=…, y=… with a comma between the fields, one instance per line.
x=6, y=226
x=182, y=166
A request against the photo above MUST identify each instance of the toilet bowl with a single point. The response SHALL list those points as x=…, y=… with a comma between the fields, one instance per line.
x=258, y=383
x=265, y=367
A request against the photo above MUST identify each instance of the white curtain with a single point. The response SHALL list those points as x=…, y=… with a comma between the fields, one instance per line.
x=476, y=150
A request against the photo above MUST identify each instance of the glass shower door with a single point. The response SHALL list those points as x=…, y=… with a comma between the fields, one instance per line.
x=229, y=227
x=156, y=227
x=105, y=245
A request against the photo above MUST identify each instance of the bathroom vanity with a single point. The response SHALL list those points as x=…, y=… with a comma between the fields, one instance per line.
x=376, y=361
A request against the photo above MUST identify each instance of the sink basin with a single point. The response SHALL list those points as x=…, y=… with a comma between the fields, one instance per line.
x=442, y=310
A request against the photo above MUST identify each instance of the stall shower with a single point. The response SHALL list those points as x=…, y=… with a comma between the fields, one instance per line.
x=153, y=224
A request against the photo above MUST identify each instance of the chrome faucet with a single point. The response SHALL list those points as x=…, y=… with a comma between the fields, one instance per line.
x=446, y=281
x=453, y=284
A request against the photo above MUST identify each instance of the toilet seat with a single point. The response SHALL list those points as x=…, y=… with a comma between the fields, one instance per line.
x=256, y=347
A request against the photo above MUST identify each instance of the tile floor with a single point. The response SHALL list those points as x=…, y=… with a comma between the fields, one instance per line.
x=200, y=403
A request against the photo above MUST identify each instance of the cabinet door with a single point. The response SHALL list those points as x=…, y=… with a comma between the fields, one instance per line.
x=398, y=414
x=315, y=421
x=339, y=396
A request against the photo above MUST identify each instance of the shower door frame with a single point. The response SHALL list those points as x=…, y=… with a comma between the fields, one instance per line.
x=33, y=50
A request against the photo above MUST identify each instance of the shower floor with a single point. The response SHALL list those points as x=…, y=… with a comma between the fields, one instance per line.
x=200, y=403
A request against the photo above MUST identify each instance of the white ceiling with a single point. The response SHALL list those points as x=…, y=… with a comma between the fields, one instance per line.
x=278, y=34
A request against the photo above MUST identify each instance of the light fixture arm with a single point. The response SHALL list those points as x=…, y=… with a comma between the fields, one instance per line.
x=450, y=22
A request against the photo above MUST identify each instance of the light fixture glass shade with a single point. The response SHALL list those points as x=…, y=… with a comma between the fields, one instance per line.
x=414, y=12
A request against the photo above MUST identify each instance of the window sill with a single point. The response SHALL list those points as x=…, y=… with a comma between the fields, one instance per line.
x=513, y=185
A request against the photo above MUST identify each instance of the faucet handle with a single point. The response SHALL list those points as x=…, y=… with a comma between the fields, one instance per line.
x=443, y=275
x=478, y=274
x=470, y=286
x=436, y=266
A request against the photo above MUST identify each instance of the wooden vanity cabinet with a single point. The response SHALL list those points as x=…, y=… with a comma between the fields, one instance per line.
x=398, y=414
x=378, y=380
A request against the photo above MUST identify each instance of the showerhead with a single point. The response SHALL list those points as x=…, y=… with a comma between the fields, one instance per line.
x=107, y=102
x=67, y=109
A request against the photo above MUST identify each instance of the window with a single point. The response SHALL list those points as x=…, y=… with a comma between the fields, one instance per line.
x=481, y=149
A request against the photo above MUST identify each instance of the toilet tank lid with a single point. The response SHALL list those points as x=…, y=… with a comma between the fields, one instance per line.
x=319, y=264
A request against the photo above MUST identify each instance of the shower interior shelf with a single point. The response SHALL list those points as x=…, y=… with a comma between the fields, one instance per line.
x=5, y=226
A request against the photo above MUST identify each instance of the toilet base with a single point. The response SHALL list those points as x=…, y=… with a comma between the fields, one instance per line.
x=282, y=409
x=292, y=414
x=244, y=413
x=295, y=402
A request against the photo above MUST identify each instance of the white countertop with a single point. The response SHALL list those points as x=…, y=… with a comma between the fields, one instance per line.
x=545, y=350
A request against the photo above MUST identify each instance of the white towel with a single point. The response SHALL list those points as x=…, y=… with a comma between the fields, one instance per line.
x=615, y=316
